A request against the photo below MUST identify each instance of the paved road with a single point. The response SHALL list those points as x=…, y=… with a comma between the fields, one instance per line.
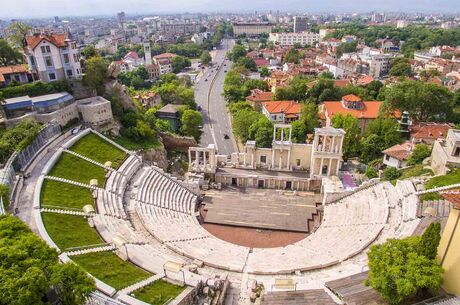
x=208, y=95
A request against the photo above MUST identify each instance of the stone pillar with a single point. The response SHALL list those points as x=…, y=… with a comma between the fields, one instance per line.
x=288, y=165
x=329, y=167
x=252, y=160
x=189, y=156
x=204, y=159
x=244, y=159
x=333, y=144
x=321, y=167
x=273, y=158
x=341, y=144
x=197, y=157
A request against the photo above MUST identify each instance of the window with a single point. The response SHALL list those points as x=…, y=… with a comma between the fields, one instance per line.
x=387, y=157
x=32, y=60
x=52, y=76
x=45, y=49
x=297, y=161
x=75, y=58
x=263, y=159
x=69, y=73
x=66, y=58
x=48, y=61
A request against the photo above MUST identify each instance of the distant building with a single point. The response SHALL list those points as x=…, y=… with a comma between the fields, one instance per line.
x=16, y=73
x=282, y=111
x=164, y=62
x=289, y=39
x=402, y=24
x=300, y=24
x=180, y=28
x=446, y=153
x=364, y=111
x=53, y=56
x=252, y=29
x=121, y=17
x=257, y=97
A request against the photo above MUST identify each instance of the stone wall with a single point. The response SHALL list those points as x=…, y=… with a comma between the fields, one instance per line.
x=114, y=87
x=173, y=142
x=157, y=155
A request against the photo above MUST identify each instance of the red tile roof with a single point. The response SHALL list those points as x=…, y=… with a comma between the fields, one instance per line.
x=453, y=196
x=399, y=151
x=260, y=96
x=261, y=62
x=364, y=80
x=165, y=55
x=370, y=110
x=430, y=131
x=132, y=54
x=286, y=107
x=351, y=98
x=11, y=70
x=340, y=83
x=57, y=39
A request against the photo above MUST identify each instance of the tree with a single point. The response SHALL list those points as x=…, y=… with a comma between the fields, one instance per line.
x=242, y=121
x=17, y=33
x=371, y=172
x=95, y=74
x=424, y=101
x=299, y=132
x=179, y=63
x=397, y=270
x=347, y=47
x=391, y=173
x=29, y=268
x=89, y=51
x=236, y=53
x=352, y=133
x=8, y=55
x=262, y=132
x=379, y=135
x=264, y=72
x=429, y=242
x=190, y=121
x=205, y=58
x=248, y=63
x=237, y=106
x=293, y=56
x=400, y=66
x=420, y=152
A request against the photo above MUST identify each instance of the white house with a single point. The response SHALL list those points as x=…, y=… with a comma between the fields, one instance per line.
x=397, y=155
x=53, y=56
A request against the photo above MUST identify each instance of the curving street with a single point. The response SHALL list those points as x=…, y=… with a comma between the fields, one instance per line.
x=208, y=95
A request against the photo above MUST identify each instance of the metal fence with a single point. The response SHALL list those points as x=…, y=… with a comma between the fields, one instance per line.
x=24, y=156
x=2, y=209
x=7, y=173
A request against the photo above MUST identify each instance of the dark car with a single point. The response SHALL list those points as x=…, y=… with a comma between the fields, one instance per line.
x=205, y=79
x=226, y=137
x=198, y=108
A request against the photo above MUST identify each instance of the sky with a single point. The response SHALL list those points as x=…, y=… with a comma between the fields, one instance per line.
x=48, y=8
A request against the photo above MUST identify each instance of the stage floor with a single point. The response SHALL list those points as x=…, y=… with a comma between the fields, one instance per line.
x=263, y=209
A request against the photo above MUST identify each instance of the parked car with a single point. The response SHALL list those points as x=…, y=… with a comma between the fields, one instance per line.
x=226, y=137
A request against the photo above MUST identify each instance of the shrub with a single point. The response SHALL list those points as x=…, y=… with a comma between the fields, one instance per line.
x=391, y=173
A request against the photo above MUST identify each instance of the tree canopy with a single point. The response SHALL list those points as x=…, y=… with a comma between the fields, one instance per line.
x=29, y=268
x=190, y=121
x=352, y=135
x=8, y=55
x=96, y=74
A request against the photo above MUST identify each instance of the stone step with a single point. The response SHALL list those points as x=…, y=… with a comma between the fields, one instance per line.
x=91, y=250
x=141, y=284
x=89, y=160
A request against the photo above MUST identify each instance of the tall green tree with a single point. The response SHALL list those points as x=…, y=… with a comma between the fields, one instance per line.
x=179, y=63
x=262, y=132
x=293, y=56
x=8, y=55
x=17, y=32
x=420, y=152
x=205, y=58
x=190, y=121
x=96, y=74
x=236, y=53
x=429, y=241
x=242, y=121
x=352, y=133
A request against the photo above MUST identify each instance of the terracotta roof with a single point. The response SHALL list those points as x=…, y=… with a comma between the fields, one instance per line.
x=132, y=54
x=452, y=195
x=399, y=151
x=351, y=98
x=430, y=130
x=260, y=96
x=11, y=70
x=286, y=107
x=57, y=39
x=165, y=55
x=370, y=110
x=340, y=83
x=364, y=80
x=261, y=62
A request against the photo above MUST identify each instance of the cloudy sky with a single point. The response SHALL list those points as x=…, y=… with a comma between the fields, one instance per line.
x=46, y=8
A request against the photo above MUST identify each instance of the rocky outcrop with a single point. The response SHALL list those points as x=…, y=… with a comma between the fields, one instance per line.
x=157, y=155
x=173, y=142
x=115, y=88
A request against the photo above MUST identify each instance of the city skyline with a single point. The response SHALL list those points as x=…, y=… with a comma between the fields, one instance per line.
x=49, y=8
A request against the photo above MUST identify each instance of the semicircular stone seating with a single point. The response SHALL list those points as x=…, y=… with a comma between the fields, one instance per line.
x=167, y=210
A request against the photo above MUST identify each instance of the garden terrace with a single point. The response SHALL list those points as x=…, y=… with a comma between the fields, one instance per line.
x=451, y=178
x=64, y=195
x=69, y=231
x=96, y=148
x=74, y=168
x=110, y=269
x=158, y=293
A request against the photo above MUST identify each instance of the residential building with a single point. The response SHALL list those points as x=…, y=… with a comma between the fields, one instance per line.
x=282, y=111
x=180, y=28
x=53, y=56
x=446, y=153
x=289, y=39
x=170, y=113
x=300, y=24
x=257, y=97
x=402, y=24
x=164, y=61
x=428, y=132
x=397, y=155
x=364, y=111
x=251, y=29
x=16, y=73
x=154, y=71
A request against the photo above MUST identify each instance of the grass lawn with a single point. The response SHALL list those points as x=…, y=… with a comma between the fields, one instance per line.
x=158, y=292
x=69, y=231
x=451, y=178
x=74, y=168
x=62, y=194
x=94, y=147
x=136, y=145
x=413, y=171
x=109, y=268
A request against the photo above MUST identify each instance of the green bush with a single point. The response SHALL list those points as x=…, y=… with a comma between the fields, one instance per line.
x=18, y=137
x=371, y=172
x=391, y=173
x=35, y=89
x=420, y=152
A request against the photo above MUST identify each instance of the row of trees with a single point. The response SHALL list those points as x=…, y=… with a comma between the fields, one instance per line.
x=17, y=137
x=30, y=269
